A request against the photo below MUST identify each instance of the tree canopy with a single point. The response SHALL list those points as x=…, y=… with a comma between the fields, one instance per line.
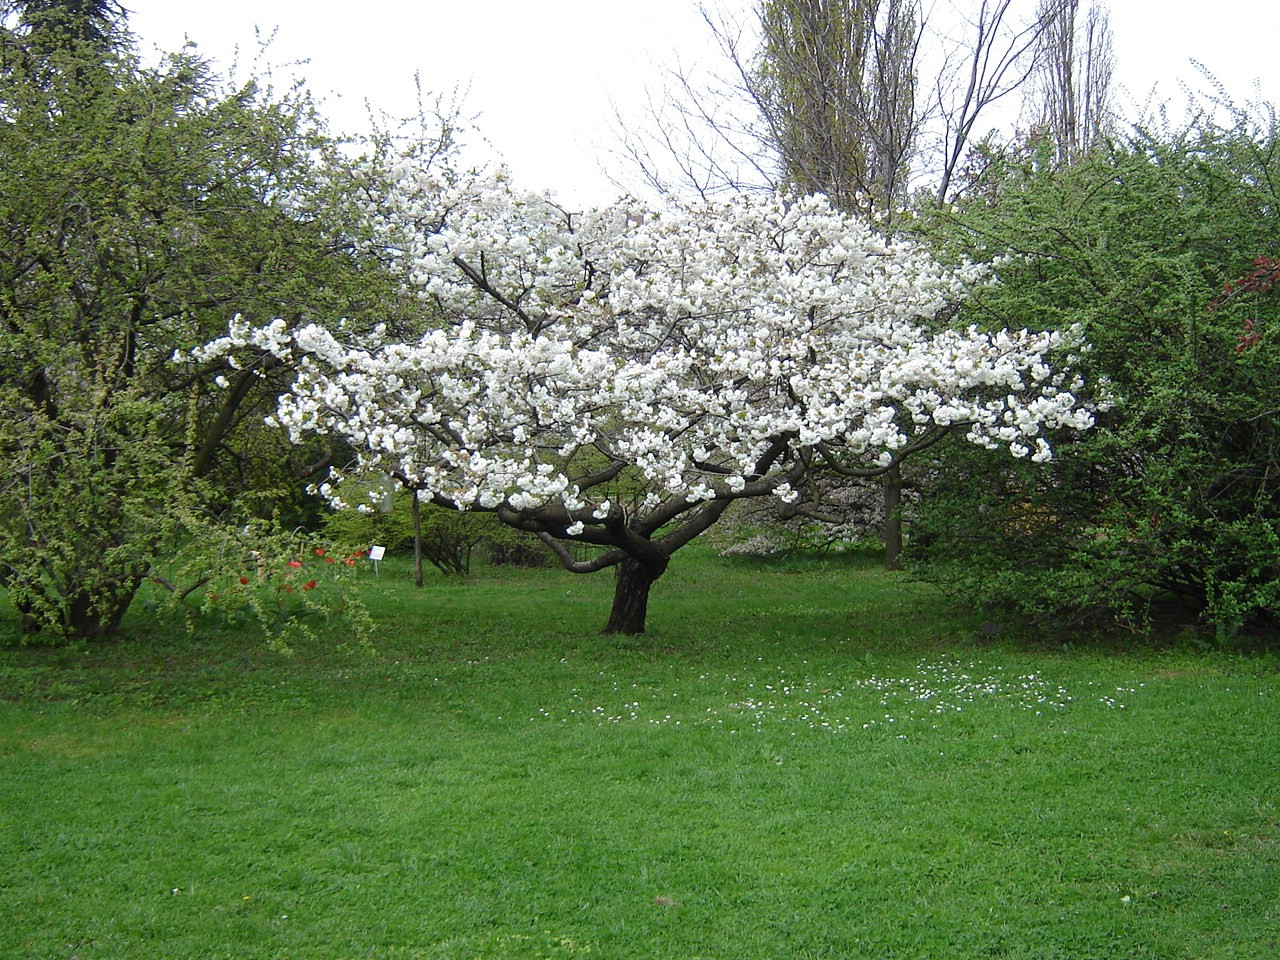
x=618, y=378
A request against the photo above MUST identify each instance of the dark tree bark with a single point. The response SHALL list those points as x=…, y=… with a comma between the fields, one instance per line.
x=631, y=595
x=90, y=617
x=417, y=541
x=892, y=481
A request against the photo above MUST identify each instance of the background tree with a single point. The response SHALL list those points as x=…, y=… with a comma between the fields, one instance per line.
x=835, y=84
x=830, y=100
x=1070, y=93
x=993, y=59
x=874, y=97
x=95, y=24
x=136, y=204
x=1170, y=507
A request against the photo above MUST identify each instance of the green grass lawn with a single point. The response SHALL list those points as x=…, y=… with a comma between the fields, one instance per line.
x=798, y=760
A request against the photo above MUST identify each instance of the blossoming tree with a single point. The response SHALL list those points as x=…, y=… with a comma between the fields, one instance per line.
x=618, y=378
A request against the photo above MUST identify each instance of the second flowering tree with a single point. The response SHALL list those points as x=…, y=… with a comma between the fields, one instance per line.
x=618, y=378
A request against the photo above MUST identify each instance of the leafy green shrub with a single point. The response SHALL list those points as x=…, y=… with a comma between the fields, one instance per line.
x=1175, y=500
x=140, y=206
x=286, y=584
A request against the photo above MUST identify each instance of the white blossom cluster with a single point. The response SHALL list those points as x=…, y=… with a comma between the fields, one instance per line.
x=702, y=351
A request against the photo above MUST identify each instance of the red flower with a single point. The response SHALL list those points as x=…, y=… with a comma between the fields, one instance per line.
x=350, y=561
x=319, y=551
x=309, y=585
x=288, y=588
x=295, y=564
x=244, y=579
x=328, y=559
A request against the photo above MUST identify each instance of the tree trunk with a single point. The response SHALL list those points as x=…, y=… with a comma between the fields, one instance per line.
x=91, y=617
x=631, y=595
x=892, y=518
x=82, y=614
x=417, y=541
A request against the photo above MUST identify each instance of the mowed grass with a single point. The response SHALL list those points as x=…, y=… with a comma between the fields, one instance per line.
x=798, y=760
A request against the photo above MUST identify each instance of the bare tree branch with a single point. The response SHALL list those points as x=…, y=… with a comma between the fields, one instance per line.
x=999, y=58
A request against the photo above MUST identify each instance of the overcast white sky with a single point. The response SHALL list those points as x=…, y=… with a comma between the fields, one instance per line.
x=542, y=74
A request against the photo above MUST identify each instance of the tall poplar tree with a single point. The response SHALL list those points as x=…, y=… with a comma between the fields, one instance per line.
x=1070, y=96
x=836, y=84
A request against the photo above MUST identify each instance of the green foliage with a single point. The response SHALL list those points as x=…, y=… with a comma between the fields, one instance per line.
x=139, y=209
x=1174, y=500
x=449, y=537
x=280, y=585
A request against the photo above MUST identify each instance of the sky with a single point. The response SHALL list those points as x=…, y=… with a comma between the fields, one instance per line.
x=546, y=79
